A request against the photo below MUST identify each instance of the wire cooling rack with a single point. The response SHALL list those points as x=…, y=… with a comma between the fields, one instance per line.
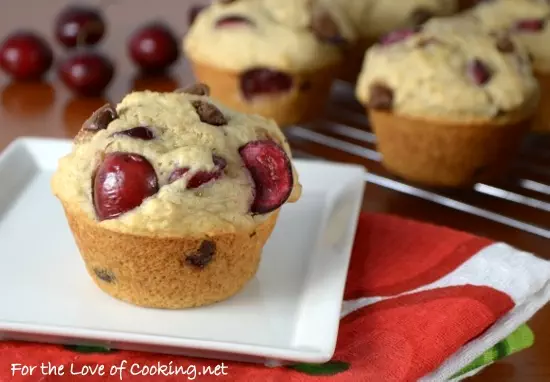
x=345, y=132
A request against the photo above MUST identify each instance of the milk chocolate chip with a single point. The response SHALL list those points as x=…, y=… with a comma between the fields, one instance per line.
x=105, y=275
x=209, y=113
x=195, y=89
x=101, y=118
x=203, y=256
x=381, y=97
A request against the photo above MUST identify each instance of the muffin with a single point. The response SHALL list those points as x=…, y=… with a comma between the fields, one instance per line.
x=448, y=103
x=529, y=22
x=171, y=197
x=275, y=58
x=373, y=19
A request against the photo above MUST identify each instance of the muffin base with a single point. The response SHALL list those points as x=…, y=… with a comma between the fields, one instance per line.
x=152, y=272
x=301, y=104
x=541, y=123
x=445, y=154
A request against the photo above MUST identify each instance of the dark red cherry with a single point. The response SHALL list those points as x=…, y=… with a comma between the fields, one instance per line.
x=398, y=35
x=530, y=25
x=140, y=132
x=86, y=73
x=121, y=183
x=25, y=56
x=479, y=72
x=200, y=177
x=154, y=47
x=234, y=21
x=271, y=171
x=261, y=81
x=79, y=26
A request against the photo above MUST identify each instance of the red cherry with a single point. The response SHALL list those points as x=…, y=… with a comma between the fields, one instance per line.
x=479, y=72
x=79, y=26
x=86, y=73
x=531, y=25
x=25, y=56
x=260, y=81
x=271, y=171
x=121, y=183
x=200, y=177
x=153, y=47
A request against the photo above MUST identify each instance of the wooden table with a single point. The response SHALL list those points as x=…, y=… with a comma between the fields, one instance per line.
x=47, y=109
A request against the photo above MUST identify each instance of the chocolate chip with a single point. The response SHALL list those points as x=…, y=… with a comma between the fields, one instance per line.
x=420, y=15
x=479, y=72
x=203, y=256
x=209, y=113
x=252, y=234
x=505, y=45
x=105, y=275
x=381, y=97
x=325, y=28
x=195, y=89
x=101, y=118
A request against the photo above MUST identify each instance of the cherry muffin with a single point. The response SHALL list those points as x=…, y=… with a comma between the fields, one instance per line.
x=275, y=58
x=171, y=197
x=529, y=22
x=373, y=19
x=449, y=104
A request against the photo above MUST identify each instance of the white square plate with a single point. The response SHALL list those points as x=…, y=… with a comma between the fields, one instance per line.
x=289, y=311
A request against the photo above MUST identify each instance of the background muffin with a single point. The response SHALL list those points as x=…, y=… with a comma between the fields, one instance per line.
x=373, y=19
x=448, y=103
x=169, y=199
x=529, y=22
x=276, y=58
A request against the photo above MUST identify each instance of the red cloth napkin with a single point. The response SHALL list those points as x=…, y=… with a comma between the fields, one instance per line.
x=398, y=339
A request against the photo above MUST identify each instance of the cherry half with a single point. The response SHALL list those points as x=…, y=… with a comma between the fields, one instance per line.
x=271, y=171
x=121, y=183
x=261, y=81
x=25, y=56
x=200, y=177
x=153, y=47
x=530, y=25
x=79, y=26
x=86, y=73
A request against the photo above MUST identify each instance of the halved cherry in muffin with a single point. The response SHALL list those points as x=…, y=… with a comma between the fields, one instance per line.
x=121, y=183
x=200, y=177
x=271, y=172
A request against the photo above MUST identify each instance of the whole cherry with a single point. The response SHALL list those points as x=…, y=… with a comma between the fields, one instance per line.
x=153, y=47
x=79, y=26
x=25, y=56
x=86, y=73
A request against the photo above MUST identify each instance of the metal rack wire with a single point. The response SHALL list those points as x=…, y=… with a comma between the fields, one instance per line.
x=525, y=195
